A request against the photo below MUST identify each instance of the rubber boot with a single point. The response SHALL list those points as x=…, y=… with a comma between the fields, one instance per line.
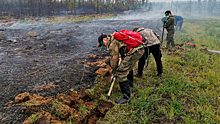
x=125, y=90
x=139, y=73
x=141, y=64
x=130, y=77
x=159, y=68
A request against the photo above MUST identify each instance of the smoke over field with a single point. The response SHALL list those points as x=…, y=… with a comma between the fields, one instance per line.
x=33, y=56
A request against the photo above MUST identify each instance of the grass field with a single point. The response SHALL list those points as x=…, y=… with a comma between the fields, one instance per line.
x=188, y=91
x=63, y=19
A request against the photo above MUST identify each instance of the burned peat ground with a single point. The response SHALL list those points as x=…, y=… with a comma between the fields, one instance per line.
x=36, y=55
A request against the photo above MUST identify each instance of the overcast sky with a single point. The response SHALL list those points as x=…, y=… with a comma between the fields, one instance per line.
x=167, y=0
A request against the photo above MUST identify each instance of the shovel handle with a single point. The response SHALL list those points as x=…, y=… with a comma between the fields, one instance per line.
x=110, y=90
x=162, y=36
x=113, y=82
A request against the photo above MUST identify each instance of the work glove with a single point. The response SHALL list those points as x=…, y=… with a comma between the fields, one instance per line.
x=113, y=70
x=107, y=61
x=164, y=26
x=164, y=21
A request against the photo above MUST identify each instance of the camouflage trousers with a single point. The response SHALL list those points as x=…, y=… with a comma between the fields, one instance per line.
x=127, y=65
x=170, y=38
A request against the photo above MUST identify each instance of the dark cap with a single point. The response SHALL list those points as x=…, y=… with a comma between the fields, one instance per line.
x=168, y=12
x=136, y=28
x=100, y=39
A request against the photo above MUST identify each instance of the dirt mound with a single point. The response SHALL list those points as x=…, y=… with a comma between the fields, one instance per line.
x=22, y=97
x=177, y=50
x=105, y=69
x=42, y=118
x=71, y=107
x=99, y=62
x=47, y=87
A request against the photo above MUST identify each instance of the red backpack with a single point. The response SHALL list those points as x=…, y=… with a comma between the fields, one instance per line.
x=133, y=39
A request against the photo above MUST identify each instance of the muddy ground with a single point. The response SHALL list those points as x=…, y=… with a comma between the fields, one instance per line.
x=32, y=56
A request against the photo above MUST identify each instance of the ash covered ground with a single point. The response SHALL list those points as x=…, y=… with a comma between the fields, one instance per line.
x=32, y=56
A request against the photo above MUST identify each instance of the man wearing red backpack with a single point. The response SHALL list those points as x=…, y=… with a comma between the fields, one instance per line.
x=152, y=45
x=124, y=71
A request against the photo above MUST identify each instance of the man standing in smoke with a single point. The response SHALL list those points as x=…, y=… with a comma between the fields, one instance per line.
x=169, y=25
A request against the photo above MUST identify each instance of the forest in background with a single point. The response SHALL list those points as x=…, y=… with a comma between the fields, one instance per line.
x=18, y=8
x=33, y=8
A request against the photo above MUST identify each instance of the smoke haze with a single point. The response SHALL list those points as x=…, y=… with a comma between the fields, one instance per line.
x=166, y=0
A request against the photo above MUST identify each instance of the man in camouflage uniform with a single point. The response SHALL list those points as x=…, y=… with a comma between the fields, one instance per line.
x=169, y=25
x=124, y=71
x=152, y=45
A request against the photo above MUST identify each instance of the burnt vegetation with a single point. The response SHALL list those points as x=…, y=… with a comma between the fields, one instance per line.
x=44, y=67
x=22, y=8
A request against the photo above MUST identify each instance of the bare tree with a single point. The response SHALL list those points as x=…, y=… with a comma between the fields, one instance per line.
x=97, y=5
x=190, y=6
x=199, y=6
x=175, y=4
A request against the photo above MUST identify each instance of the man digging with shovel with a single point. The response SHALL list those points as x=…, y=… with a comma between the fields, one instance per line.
x=152, y=45
x=123, y=72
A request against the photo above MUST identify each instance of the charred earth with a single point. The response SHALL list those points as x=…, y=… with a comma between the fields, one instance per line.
x=33, y=56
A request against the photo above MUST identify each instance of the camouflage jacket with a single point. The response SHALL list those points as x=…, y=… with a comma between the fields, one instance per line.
x=170, y=23
x=114, y=46
x=150, y=37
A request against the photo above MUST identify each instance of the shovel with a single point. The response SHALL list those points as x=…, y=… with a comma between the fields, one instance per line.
x=113, y=78
x=162, y=37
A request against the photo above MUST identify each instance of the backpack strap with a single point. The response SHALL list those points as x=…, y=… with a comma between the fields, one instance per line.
x=140, y=30
x=148, y=53
x=109, y=42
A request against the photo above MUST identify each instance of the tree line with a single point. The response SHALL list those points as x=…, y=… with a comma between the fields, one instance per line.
x=57, y=7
